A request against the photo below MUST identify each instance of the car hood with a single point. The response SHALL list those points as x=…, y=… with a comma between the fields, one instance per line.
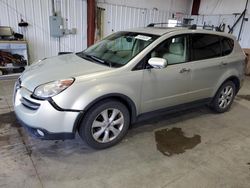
x=58, y=67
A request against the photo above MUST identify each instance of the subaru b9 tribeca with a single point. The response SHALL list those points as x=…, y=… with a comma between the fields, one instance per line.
x=99, y=92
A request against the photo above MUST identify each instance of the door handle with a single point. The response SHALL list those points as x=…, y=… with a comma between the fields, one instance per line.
x=185, y=70
x=223, y=63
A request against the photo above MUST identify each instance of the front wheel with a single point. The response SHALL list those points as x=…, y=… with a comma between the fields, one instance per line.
x=224, y=97
x=105, y=124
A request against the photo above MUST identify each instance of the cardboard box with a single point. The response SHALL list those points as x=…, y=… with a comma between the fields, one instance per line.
x=247, y=52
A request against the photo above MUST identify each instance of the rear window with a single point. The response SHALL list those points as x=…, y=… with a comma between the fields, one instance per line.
x=227, y=46
x=205, y=46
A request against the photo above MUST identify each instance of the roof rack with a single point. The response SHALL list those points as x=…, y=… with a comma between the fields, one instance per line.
x=193, y=26
x=162, y=23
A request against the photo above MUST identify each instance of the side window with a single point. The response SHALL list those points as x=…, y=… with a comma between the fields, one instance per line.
x=205, y=46
x=227, y=46
x=174, y=50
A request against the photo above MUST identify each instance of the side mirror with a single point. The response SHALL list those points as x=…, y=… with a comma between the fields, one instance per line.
x=157, y=63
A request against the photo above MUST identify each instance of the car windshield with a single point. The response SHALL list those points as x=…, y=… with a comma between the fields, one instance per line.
x=118, y=49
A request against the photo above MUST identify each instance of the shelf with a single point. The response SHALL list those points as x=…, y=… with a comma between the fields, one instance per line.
x=12, y=67
x=14, y=47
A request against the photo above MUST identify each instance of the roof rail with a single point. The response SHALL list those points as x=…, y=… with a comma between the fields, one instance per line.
x=153, y=24
x=193, y=26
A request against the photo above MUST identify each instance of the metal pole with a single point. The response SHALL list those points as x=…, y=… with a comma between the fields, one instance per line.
x=53, y=8
x=242, y=22
x=91, y=7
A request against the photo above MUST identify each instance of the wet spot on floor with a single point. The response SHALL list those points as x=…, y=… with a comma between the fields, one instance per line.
x=9, y=118
x=246, y=97
x=173, y=141
x=4, y=140
x=1, y=99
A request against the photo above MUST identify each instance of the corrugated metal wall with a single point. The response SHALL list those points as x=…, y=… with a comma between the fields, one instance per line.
x=120, y=17
x=36, y=13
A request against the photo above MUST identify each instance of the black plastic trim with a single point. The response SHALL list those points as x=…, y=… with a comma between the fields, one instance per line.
x=58, y=108
x=173, y=109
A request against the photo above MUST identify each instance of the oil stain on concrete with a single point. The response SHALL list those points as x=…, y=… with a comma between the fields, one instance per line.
x=173, y=141
x=8, y=118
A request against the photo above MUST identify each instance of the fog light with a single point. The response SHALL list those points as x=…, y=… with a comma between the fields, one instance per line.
x=40, y=132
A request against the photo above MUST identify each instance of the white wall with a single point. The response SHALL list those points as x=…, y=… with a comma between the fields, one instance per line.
x=183, y=6
x=124, y=14
x=36, y=13
x=209, y=7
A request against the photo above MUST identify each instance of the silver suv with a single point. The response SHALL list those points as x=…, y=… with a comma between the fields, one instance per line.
x=101, y=91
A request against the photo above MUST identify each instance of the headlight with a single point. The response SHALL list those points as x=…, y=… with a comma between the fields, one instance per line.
x=52, y=88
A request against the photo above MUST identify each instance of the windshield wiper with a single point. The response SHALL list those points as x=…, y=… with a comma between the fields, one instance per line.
x=99, y=60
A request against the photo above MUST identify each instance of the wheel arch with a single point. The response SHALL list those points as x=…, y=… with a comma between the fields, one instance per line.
x=235, y=80
x=228, y=76
x=115, y=96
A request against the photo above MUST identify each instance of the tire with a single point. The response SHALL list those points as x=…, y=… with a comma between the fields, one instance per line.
x=224, y=97
x=105, y=124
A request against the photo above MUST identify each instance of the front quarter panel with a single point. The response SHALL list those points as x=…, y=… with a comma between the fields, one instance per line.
x=82, y=92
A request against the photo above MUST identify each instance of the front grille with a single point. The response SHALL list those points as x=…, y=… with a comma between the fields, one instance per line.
x=29, y=104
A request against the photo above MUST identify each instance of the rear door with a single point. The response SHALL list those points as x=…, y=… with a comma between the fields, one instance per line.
x=207, y=64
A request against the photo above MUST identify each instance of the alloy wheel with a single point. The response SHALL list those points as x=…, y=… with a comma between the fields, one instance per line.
x=226, y=96
x=107, y=125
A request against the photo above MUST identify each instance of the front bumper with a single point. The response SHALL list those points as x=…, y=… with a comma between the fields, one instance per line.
x=44, y=134
x=41, y=118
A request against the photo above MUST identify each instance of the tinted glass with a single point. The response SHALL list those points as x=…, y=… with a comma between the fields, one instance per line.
x=174, y=50
x=205, y=46
x=227, y=46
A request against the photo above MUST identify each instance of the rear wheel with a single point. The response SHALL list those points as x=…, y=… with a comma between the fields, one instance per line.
x=224, y=97
x=105, y=124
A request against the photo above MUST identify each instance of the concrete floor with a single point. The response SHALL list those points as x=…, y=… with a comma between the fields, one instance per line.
x=221, y=159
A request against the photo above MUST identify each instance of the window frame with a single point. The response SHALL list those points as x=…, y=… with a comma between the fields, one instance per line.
x=143, y=64
x=192, y=50
x=228, y=39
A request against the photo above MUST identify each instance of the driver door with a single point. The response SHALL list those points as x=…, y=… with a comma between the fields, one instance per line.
x=168, y=86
